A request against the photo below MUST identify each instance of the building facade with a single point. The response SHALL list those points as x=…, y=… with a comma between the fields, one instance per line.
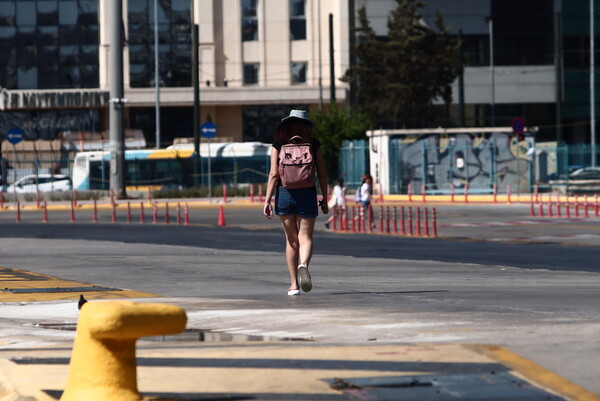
x=259, y=58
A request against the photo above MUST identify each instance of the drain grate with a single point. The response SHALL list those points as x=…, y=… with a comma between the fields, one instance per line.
x=444, y=387
x=57, y=289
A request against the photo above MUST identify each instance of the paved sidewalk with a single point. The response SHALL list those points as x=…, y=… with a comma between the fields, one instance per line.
x=174, y=370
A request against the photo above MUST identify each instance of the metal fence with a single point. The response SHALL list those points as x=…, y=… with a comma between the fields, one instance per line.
x=353, y=162
x=479, y=165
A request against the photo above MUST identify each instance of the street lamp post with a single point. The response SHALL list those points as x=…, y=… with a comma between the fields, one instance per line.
x=156, y=74
x=592, y=85
x=492, y=77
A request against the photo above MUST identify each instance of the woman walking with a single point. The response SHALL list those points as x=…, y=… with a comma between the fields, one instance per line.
x=296, y=193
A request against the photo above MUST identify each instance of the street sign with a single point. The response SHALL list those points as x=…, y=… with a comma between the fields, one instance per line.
x=518, y=125
x=14, y=135
x=208, y=130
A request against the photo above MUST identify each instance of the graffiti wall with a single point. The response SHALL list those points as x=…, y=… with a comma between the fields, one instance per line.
x=439, y=164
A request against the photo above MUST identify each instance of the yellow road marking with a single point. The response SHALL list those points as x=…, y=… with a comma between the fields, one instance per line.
x=537, y=373
x=13, y=279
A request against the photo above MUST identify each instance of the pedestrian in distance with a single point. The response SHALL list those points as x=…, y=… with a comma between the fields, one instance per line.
x=296, y=158
x=364, y=195
x=338, y=198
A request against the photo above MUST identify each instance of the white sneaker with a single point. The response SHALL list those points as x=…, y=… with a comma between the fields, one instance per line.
x=304, y=276
x=293, y=292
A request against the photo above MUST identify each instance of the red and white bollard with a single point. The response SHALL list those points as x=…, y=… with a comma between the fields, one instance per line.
x=452, y=193
x=423, y=193
x=142, y=216
x=585, y=207
x=154, y=213
x=426, y=225
x=114, y=212
x=45, y=218
x=508, y=193
x=72, y=212
x=418, y=224
x=260, y=193
x=467, y=192
x=434, y=223
x=166, y=212
x=251, y=193
x=224, y=193
x=410, y=192
x=402, y=222
x=128, y=212
x=495, y=192
x=410, y=221
x=18, y=212
x=178, y=213
x=596, y=205
x=387, y=220
x=186, y=215
x=395, y=219
x=95, y=212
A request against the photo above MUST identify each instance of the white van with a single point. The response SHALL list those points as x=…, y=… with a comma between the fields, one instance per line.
x=41, y=182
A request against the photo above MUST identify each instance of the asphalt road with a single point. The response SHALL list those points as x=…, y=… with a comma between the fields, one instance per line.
x=490, y=278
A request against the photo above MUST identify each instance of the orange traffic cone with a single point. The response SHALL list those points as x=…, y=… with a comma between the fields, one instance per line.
x=221, y=216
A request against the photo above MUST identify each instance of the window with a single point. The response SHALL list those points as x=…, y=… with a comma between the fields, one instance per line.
x=250, y=73
x=249, y=21
x=297, y=20
x=51, y=46
x=299, y=73
x=174, y=43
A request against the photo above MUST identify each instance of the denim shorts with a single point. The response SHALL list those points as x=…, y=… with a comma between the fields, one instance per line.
x=300, y=202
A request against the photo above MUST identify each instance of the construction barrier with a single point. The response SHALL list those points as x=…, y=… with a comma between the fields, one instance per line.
x=395, y=220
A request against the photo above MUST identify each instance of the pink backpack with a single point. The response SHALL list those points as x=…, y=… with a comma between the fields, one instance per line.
x=296, y=164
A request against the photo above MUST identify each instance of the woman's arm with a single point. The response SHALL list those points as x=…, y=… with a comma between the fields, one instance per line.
x=271, y=183
x=322, y=174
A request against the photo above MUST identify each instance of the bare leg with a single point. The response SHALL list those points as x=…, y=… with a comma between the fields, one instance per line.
x=305, y=239
x=290, y=227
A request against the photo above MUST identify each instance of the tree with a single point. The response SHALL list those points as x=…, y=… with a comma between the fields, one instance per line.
x=334, y=125
x=399, y=78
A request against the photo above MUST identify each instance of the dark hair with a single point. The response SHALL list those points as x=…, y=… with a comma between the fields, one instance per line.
x=291, y=128
x=366, y=177
x=340, y=182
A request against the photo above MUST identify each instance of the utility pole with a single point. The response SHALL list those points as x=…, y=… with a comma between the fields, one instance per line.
x=320, y=56
x=592, y=84
x=156, y=74
x=492, y=74
x=331, y=62
x=116, y=101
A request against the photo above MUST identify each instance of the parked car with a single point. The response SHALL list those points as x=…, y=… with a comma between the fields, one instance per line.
x=42, y=183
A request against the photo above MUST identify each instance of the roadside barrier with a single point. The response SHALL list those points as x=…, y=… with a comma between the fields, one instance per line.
x=95, y=215
x=549, y=207
x=18, y=212
x=393, y=220
x=186, y=215
x=103, y=363
x=166, y=212
x=128, y=213
x=142, y=216
x=72, y=204
x=45, y=218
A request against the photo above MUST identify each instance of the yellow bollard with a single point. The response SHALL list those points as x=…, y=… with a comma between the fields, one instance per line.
x=103, y=364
